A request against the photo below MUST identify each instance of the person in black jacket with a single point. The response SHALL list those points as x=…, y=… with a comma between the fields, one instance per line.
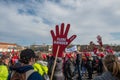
x=100, y=66
x=78, y=64
x=89, y=66
x=27, y=59
x=70, y=67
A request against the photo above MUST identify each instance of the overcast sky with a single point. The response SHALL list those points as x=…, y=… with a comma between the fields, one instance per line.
x=28, y=22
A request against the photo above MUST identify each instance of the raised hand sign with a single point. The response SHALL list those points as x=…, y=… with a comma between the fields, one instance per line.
x=60, y=39
x=99, y=38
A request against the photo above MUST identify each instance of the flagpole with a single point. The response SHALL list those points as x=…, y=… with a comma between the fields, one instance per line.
x=54, y=63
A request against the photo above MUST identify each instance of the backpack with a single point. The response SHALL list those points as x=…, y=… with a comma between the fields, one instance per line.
x=21, y=76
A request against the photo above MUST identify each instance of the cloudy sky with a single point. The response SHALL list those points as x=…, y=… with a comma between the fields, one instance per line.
x=28, y=22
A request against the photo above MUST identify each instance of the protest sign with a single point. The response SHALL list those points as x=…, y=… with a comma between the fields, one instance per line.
x=60, y=39
x=71, y=49
x=99, y=38
x=60, y=42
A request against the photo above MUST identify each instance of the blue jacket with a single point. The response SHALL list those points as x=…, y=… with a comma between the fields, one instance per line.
x=33, y=76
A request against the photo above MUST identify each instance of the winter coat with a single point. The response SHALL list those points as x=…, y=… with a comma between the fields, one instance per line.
x=41, y=67
x=106, y=76
x=3, y=72
x=58, y=73
x=22, y=69
x=70, y=70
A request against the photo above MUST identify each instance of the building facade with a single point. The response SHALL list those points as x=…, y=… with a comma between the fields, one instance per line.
x=8, y=47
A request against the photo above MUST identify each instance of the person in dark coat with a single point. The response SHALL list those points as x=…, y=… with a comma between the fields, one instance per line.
x=58, y=73
x=78, y=64
x=27, y=58
x=100, y=66
x=70, y=69
x=89, y=67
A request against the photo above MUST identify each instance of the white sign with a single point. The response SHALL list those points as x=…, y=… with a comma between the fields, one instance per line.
x=72, y=49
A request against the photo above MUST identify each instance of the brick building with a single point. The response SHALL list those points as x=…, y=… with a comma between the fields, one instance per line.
x=8, y=47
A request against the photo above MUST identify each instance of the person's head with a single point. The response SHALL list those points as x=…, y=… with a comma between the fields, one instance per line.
x=112, y=64
x=39, y=56
x=4, y=59
x=72, y=57
x=27, y=56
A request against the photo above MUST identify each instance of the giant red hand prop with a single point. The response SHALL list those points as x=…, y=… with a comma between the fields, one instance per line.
x=99, y=38
x=60, y=39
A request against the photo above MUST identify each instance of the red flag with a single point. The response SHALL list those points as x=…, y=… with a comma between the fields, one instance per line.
x=99, y=38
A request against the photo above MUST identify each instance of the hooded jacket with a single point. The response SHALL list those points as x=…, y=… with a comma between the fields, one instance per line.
x=41, y=67
x=3, y=72
x=23, y=69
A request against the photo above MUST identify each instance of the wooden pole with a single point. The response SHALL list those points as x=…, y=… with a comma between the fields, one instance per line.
x=54, y=63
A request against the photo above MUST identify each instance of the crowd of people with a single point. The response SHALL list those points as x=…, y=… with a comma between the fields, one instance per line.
x=29, y=65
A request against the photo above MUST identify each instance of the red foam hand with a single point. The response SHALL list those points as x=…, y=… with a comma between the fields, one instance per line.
x=99, y=38
x=60, y=39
